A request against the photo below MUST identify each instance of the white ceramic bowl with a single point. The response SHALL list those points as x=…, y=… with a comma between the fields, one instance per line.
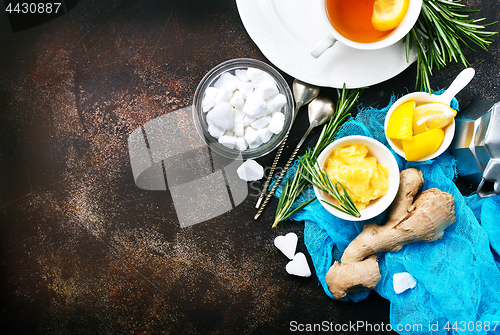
x=383, y=155
x=421, y=98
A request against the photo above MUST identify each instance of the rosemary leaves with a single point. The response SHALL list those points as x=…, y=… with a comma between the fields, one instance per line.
x=320, y=179
x=289, y=204
x=442, y=28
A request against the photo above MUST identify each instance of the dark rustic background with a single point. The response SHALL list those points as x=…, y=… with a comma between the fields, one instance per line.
x=82, y=249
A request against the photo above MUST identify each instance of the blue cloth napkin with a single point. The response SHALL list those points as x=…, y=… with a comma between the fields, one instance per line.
x=458, y=277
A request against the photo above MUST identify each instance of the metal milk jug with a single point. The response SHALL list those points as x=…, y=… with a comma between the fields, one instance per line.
x=476, y=146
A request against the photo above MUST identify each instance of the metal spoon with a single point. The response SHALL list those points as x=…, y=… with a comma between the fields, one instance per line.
x=303, y=94
x=320, y=110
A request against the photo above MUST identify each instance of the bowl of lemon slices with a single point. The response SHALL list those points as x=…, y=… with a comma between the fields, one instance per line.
x=420, y=126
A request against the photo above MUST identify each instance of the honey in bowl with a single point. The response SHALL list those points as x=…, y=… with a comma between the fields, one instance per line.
x=353, y=20
x=362, y=176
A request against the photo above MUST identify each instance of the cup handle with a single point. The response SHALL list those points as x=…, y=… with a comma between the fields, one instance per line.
x=323, y=45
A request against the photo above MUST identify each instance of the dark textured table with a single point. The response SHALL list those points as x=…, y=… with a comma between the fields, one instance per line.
x=83, y=250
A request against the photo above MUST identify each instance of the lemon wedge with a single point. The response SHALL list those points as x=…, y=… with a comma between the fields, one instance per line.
x=432, y=115
x=423, y=145
x=388, y=14
x=400, y=122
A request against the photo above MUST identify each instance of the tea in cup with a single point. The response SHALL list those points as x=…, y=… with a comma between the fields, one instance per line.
x=350, y=22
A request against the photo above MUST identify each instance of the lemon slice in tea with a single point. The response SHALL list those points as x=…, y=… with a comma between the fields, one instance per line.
x=432, y=115
x=388, y=14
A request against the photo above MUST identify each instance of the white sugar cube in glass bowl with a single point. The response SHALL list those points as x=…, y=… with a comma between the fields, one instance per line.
x=243, y=106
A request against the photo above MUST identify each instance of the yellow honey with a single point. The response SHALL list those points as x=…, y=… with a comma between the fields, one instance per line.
x=363, y=178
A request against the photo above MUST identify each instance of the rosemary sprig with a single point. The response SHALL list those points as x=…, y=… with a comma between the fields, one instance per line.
x=292, y=190
x=289, y=194
x=320, y=179
x=345, y=101
x=439, y=34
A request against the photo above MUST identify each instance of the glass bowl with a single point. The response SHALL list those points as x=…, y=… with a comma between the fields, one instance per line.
x=210, y=79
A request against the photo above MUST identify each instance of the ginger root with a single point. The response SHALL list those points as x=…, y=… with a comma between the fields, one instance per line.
x=424, y=219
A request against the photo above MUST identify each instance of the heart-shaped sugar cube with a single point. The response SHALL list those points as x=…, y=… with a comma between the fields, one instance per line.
x=287, y=244
x=298, y=266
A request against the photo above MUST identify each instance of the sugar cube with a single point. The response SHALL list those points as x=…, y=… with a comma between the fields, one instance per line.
x=261, y=122
x=277, y=122
x=223, y=95
x=276, y=103
x=248, y=120
x=238, y=115
x=221, y=116
x=403, y=281
x=246, y=88
x=241, y=144
x=251, y=136
x=228, y=81
x=250, y=170
x=238, y=128
x=255, y=106
x=241, y=75
x=265, y=134
x=237, y=100
x=267, y=88
x=257, y=75
x=228, y=141
x=256, y=143
x=209, y=99
x=214, y=130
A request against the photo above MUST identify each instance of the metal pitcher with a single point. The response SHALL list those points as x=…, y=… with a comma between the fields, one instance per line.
x=476, y=146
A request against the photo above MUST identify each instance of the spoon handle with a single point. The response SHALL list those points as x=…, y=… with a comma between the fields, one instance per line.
x=457, y=85
x=271, y=172
x=299, y=104
x=283, y=172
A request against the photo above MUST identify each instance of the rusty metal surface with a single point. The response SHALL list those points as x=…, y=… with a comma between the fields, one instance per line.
x=85, y=251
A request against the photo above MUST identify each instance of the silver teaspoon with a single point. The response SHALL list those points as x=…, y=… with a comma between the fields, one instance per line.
x=303, y=94
x=320, y=110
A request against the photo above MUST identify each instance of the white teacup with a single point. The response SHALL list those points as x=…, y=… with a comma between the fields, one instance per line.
x=396, y=35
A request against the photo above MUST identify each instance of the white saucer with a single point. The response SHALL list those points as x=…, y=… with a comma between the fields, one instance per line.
x=287, y=30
